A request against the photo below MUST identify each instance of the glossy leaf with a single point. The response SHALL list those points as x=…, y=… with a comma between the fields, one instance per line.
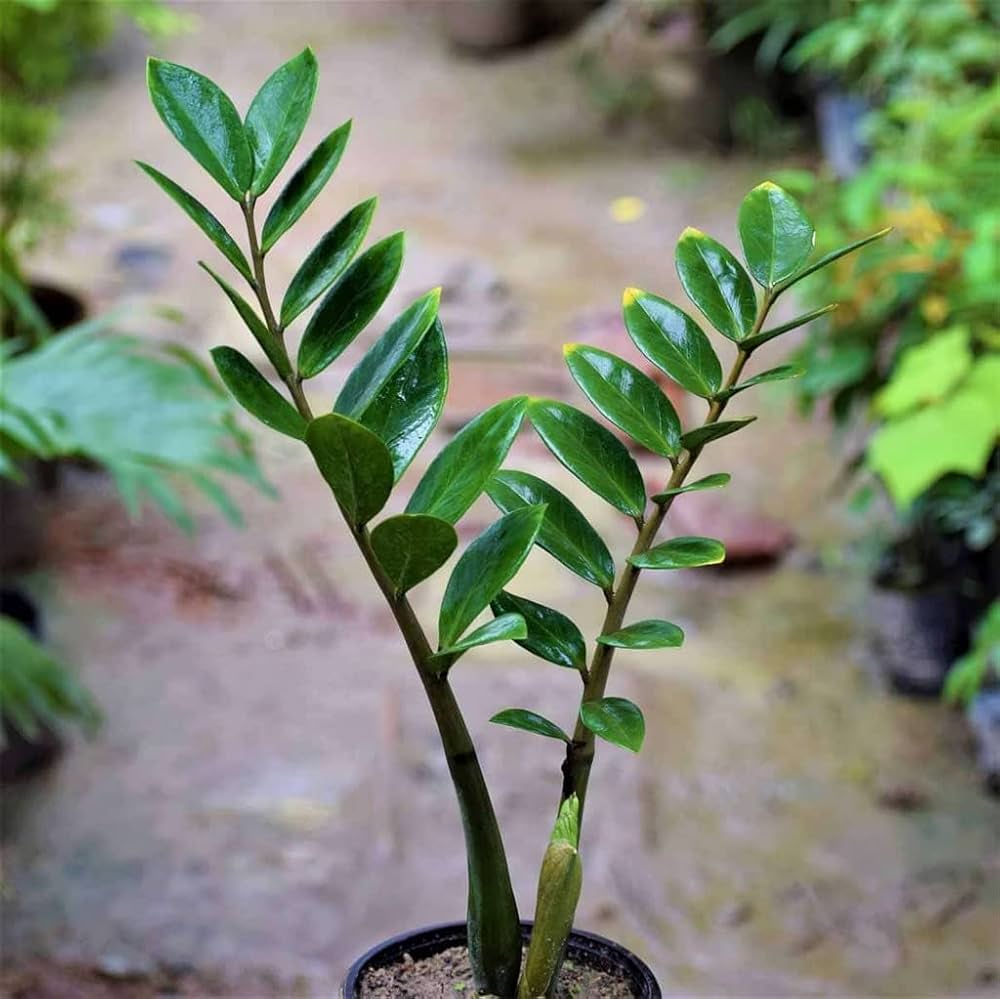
x=256, y=394
x=651, y=634
x=485, y=567
x=277, y=116
x=387, y=354
x=829, y=258
x=350, y=305
x=305, y=184
x=775, y=233
x=202, y=218
x=715, y=481
x=632, y=401
x=409, y=405
x=591, y=452
x=752, y=343
x=459, y=474
x=267, y=343
x=506, y=628
x=550, y=635
x=204, y=121
x=673, y=341
x=566, y=534
x=681, y=553
x=327, y=261
x=779, y=374
x=412, y=547
x=529, y=721
x=700, y=436
x=355, y=464
x=716, y=282
x=616, y=720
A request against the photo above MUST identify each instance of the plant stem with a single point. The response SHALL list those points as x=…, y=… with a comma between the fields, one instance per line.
x=493, y=922
x=580, y=752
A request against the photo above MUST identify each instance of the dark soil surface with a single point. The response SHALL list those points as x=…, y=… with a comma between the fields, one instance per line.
x=449, y=974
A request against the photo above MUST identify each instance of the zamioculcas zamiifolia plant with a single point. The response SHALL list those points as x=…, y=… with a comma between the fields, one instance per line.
x=391, y=401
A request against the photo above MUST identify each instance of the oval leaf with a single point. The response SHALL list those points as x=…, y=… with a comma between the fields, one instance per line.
x=505, y=628
x=327, y=261
x=457, y=476
x=650, y=634
x=485, y=567
x=529, y=721
x=775, y=233
x=204, y=122
x=673, y=341
x=700, y=436
x=412, y=547
x=616, y=720
x=408, y=407
x=716, y=282
x=632, y=401
x=387, y=354
x=272, y=349
x=355, y=464
x=566, y=534
x=300, y=192
x=550, y=635
x=715, y=481
x=202, y=218
x=591, y=452
x=277, y=116
x=350, y=305
x=681, y=553
x=256, y=394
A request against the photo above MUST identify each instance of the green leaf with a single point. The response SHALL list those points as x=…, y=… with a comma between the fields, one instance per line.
x=926, y=372
x=204, y=121
x=408, y=407
x=779, y=374
x=753, y=342
x=632, y=401
x=829, y=258
x=350, y=305
x=355, y=464
x=412, y=547
x=202, y=218
x=485, y=567
x=716, y=282
x=550, y=635
x=277, y=116
x=327, y=261
x=256, y=394
x=270, y=346
x=650, y=634
x=566, y=534
x=305, y=184
x=387, y=355
x=775, y=233
x=715, y=481
x=673, y=341
x=529, y=721
x=616, y=720
x=700, y=436
x=506, y=628
x=457, y=476
x=681, y=553
x=591, y=452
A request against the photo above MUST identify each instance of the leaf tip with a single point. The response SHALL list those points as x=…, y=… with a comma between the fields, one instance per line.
x=630, y=295
x=690, y=233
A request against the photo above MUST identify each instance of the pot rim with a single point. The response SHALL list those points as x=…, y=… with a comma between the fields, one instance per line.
x=435, y=937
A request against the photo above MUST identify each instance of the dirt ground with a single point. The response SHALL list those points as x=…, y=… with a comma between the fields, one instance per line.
x=267, y=799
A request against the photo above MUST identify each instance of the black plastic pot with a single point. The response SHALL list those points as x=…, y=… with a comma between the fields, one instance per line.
x=588, y=949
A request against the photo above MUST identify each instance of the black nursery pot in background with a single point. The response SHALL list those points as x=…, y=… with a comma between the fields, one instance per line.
x=586, y=949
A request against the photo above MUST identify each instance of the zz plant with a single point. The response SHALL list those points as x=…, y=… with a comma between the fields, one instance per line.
x=392, y=400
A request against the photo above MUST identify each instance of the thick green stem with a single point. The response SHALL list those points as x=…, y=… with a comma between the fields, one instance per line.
x=580, y=752
x=493, y=922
